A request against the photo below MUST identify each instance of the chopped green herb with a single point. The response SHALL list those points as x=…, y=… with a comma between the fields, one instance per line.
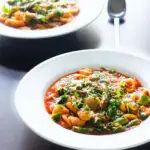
x=61, y=91
x=77, y=104
x=41, y=11
x=79, y=87
x=59, y=13
x=63, y=99
x=112, y=108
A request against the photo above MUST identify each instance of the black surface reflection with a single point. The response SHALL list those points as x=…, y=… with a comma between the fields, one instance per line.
x=23, y=54
x=33, y=142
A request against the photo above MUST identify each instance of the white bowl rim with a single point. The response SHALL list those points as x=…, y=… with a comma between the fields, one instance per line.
x=65, y=54
x=49, y=33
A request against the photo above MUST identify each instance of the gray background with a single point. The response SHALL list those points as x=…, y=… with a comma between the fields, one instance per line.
x=18, y=56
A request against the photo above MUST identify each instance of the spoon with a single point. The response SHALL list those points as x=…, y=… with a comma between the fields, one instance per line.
x=117, y=10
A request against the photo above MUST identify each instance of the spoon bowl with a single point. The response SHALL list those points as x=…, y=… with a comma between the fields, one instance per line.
x=116, y=8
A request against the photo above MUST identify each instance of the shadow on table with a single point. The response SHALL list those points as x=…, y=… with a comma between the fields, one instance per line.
x=23, y=54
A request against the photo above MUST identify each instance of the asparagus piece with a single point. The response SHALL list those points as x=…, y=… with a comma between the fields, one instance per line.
x=133, y=123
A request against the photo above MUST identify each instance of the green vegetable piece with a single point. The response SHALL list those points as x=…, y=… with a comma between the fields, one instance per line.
x=77, y=104
x=103, y=68
x=112, y=71
x=61, y=91
x=86, y=83
x=8, y=10
x=99, y=130
x=112, y=109
x=121, y=121
x=133, y=123
x=36, y=7
x=96, y=76
x=76, y=95
x=63, y=99
x=32, y=22
x=87, y=108
x=118, y=94
x=79, y=87
x=41, y=11
x=43, y=19
x=144, y=100
x=122, y=84
x=98, y=92
x=12, y=2
x=59, y=12
x=142, y=115
x=5, y=9
x=118, y=129
x=56, y=117
x=103, y=81
x=98, y=121
x=80, y=129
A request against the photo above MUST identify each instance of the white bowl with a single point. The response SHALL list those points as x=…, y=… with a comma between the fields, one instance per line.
x=90, y=10
x=30, y=94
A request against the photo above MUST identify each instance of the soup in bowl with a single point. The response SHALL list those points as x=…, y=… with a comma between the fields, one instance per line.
x=73, y=101
x=97, y=101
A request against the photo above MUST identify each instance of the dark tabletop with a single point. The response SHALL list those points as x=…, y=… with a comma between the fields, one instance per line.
x=17, y=56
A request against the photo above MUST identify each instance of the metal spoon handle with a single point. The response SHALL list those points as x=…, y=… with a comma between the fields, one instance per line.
x=117, y=10
x=117, y=33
